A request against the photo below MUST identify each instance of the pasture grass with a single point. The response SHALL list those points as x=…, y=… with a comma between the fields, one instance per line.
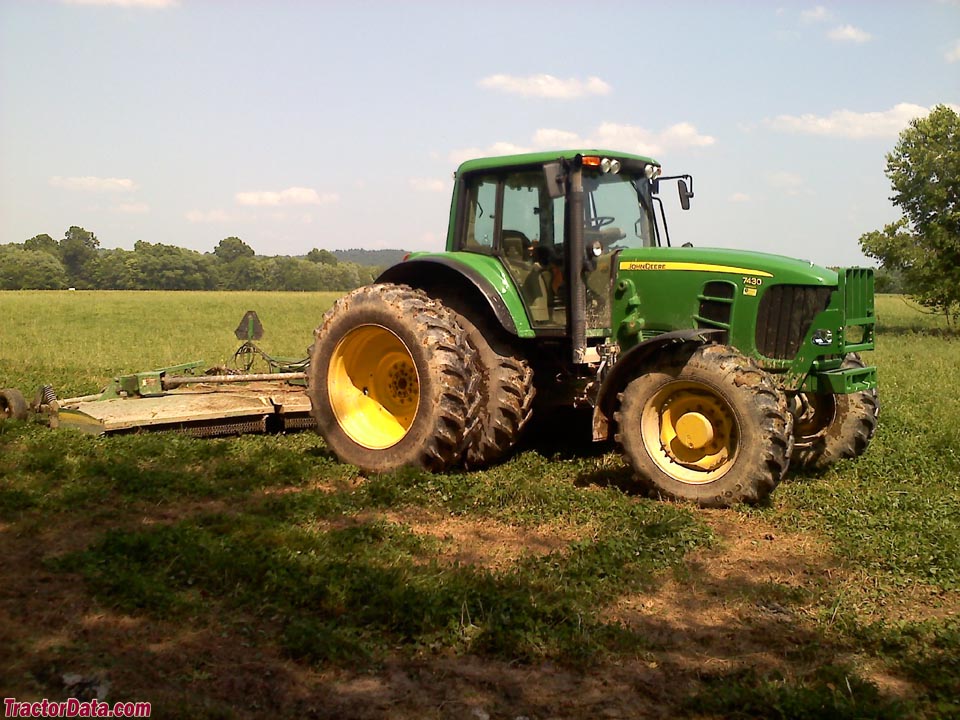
x=175, y=565
x=79, y=340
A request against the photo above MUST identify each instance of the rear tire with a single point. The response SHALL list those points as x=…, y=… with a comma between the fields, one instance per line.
x=13, y=406
x=507, y=393
x=706, y=425
x=393, y=380
x=835, y=427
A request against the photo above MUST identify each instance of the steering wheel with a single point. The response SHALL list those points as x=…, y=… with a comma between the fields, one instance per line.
x=600, y=221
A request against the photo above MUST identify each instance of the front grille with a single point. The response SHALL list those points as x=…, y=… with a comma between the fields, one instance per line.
x=715, y=305
x=784, y=318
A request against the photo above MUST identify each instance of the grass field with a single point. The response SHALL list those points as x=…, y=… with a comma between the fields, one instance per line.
x=257, y=577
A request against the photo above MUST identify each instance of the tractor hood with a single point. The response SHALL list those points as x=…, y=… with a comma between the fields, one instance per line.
x=719, y=261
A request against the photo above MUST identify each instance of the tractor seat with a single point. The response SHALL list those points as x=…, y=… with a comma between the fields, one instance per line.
x=515, y=245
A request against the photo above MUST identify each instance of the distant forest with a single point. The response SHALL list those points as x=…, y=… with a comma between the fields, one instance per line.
x=78, y=261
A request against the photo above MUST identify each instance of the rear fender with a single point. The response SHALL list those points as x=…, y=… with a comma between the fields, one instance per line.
x=484, y=277
x=630, y=365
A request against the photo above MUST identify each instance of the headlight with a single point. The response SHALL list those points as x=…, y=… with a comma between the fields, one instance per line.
x=822, y=338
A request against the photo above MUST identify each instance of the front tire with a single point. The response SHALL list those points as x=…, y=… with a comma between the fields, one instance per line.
x=706, y=425
x=392, y=380
x=835, y=427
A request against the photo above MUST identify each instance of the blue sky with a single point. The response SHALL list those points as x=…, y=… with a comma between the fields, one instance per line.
x=298, y=124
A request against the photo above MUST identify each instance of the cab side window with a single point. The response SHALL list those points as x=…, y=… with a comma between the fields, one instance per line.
x=481, y=218
x=513, y=217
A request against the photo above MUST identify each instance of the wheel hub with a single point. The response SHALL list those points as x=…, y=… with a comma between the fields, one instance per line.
x=690, y=431
x=373, y=386
x=695, y=430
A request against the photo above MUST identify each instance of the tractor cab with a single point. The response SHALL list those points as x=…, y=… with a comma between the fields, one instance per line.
x=521, y=215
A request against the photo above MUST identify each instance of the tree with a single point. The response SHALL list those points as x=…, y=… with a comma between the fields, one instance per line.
x=233, y=248
x=923, y=248
x=30, y=270
x=322, y=256
x=44, y=243
x=116, y=270
x=168, y=267
x=77, y=249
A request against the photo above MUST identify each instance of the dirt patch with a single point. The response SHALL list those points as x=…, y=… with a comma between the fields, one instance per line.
x=485, y=542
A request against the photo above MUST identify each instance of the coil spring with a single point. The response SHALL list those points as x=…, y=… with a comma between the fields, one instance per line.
x=47, y=395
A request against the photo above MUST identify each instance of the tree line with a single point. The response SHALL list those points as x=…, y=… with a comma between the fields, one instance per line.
x=78, y=261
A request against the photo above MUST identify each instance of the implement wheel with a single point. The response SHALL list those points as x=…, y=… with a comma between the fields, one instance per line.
x=13, y=406
x=835, y=427
x=392, y=380
x=707, y=425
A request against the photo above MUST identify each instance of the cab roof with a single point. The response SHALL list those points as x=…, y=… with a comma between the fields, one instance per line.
x=539, y=158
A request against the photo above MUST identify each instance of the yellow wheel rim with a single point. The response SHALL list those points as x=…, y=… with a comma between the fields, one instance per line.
x=373, y=386
x=691, y=432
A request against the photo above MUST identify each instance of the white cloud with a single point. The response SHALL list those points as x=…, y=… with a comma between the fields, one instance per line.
x=209, y=216
x=685, y=135
x=610, y=136
x=546, y=86
x=93, y=184
x=740, y=197
x=157, y=4
x=817, y=14
x=854, y=125
x=953, y=54
x=784, y=179
x=790, y=183
x=631, y=138
x=553, y=138
x=132, y=208
x=849, y=33
x=290, y=196
x=429, y=185
x=497, y=149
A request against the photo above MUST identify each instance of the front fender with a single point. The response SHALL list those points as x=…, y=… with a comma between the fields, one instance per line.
x=627, y=368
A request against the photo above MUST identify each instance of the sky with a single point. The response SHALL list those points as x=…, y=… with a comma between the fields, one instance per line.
x=299, y=124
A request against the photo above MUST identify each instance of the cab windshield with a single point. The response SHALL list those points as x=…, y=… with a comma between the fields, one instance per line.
x=617, y=211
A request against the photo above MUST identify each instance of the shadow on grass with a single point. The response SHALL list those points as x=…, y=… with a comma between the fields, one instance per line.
x=277, y=608
x=264, y=632
x=62, y=469
x=562, y=434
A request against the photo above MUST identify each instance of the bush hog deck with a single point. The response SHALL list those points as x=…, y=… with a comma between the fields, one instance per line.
x=220, y=401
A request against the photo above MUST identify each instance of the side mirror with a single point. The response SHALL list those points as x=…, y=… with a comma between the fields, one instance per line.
x=555, y=178
x=685, y=194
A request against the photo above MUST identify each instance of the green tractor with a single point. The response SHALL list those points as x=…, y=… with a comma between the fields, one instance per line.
x=712, y=369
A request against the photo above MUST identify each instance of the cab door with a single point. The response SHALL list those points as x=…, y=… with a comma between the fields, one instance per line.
x=511, y=216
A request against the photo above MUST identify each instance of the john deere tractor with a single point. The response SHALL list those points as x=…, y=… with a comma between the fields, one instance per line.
x=712, y=369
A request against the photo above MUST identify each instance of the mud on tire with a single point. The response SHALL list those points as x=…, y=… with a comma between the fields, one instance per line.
x=705, y=424
x=835, y=427
x=393, y=380
x=506, y=396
